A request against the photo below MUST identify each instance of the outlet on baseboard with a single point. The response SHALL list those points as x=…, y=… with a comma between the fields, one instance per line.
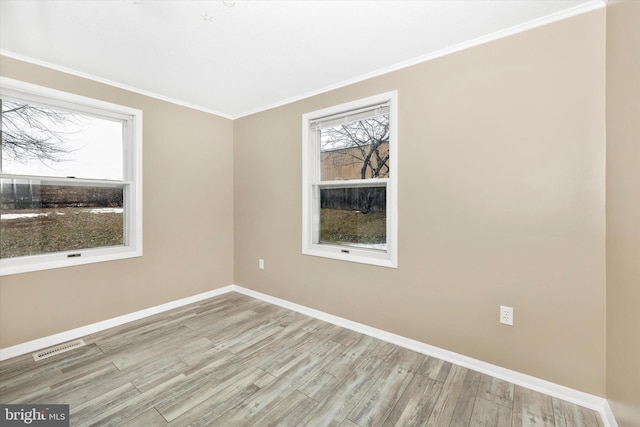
x=261, y=264
x=506, y=315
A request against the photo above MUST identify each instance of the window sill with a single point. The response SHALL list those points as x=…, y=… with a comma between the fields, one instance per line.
x=358, y=255
x=60, y=260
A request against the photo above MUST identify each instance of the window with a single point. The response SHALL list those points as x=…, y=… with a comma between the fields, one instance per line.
x=349, y=181
x=70, y=179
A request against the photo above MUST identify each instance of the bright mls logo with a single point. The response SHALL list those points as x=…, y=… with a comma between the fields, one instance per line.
x=34, y=415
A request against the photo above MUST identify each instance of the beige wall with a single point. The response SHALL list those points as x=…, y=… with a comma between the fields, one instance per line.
x=623, y=211
x=501, y=201
x=188, y=218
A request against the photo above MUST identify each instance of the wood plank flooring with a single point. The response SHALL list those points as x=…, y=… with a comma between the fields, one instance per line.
x=237, y=361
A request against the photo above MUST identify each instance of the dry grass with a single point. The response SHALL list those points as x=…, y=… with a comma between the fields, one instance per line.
x=348, y=226
x=63, y=229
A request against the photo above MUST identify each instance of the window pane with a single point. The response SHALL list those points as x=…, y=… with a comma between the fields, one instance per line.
x=50, y=141
x=39, y=218
x=354, y=216
x=355, y=150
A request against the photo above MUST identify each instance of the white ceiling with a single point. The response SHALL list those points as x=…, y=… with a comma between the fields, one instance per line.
x=236, y=57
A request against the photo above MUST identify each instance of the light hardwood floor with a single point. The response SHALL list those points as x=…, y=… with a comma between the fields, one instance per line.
x=236, y=361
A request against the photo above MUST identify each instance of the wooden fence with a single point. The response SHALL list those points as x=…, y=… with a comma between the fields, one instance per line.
x=364, y=199
x=33, y=196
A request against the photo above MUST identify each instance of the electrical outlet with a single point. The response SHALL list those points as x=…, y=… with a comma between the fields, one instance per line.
x=261, y=264
x=506, y=315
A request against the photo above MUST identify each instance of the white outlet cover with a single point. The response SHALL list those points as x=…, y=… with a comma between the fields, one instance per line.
x=506, y=315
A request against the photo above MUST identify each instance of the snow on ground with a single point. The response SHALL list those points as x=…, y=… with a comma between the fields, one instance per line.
x=106, y=210
x=35, y=215
x=24, y=215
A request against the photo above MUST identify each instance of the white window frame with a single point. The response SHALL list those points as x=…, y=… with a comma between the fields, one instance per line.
x=311, y=189
x=132, y=178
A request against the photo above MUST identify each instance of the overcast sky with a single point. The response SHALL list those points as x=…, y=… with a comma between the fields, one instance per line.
x=95, y=152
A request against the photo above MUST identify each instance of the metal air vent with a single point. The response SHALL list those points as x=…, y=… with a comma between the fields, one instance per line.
x=52, y=351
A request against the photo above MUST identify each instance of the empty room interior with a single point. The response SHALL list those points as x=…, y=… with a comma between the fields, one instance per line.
x=468, y=255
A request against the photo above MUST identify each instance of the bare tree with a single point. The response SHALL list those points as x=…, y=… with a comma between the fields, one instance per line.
x=363, y=144
x=31, y=132
x=359, y=149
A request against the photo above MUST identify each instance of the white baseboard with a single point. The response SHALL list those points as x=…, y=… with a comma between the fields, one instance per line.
x=51, y=340
x=586, y=400
x=607, y=415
